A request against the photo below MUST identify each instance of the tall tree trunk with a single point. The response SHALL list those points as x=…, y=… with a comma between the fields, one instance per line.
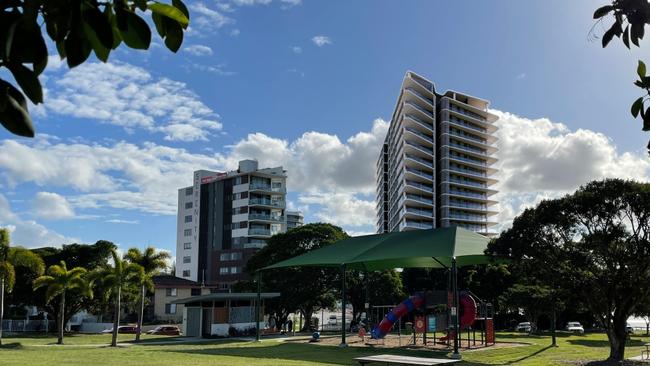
x=61, y=319
x=617, y=337
x=116, y=321
x=2, y=305
x=140, y=315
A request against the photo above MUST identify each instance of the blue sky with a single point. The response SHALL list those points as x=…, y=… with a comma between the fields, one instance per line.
x=311, y=85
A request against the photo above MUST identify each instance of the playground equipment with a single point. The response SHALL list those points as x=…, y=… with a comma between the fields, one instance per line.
x=408, y=305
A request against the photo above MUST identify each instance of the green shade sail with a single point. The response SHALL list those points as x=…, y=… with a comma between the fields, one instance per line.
x=433, y=248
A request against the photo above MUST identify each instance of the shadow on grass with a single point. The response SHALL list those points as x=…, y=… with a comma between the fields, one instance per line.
x=14, y=345
x=603, y=343
x=306, y=352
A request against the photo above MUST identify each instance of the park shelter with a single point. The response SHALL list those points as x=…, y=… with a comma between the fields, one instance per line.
x=450, y=248
x=214, y=314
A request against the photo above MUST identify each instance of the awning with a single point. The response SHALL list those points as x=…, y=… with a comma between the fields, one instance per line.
x=433, y=248
x=226, y=296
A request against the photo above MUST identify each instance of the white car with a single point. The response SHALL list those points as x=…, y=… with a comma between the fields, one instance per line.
x=524, y=327
x=575, y=327
x=333, y=320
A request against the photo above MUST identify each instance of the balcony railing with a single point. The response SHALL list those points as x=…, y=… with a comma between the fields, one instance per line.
x=265, y=202
x=423, y=135
x=415, y=197
x=476, y=206
x=467, y=194
x=468, y=182
x=469, y=148
x=464, y=135
x=457, y=216
x=254, y=231
x=422, y=148
x=428, y=113
x=420, y=121
x=265, y=187
x=456, y=168
x=419, y=225
x=473, y=161
x=427, y=213
x=467, y=113
x=419, y=173
x=459, y=121
x=265, y=217
x=420, y=186
x=420, y=95
x=423, y=161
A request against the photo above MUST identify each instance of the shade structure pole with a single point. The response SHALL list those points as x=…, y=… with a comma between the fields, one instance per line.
x=258, y=306
x=343, y=306
x=454, y=310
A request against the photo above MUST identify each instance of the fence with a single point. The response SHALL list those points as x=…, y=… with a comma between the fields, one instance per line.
x=11, y=325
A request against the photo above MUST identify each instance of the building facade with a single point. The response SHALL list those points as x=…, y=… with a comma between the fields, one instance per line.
x=294, y=219
x=225, y=217
x=168, y=288
x=436, y=166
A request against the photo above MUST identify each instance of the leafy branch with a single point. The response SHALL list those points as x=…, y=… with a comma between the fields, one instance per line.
x=78, y=28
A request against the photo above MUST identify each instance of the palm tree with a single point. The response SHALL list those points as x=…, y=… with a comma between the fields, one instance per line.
x=59, y=280
x=151, y=262
x=121, y=274
x=9, y=259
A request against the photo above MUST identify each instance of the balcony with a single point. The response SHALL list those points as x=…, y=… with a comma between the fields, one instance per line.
x=266, y=188
x=423, y=136
x=420, y=212
x=469, y=205
x=420, y=148
x=417, y=225
x=420, y=122
x=419, y=186
x=427, y=163
x=259, y=232
x=467, y=182
x=467, y=160
x=420, y=95
x=421, y=199
x=465, y=124
x=455, y=168
x=419, y=173
x=467, y=217
x=457, y=192
x=265, y=217
x=420, y=109
x=265, y=202
x=467, y=113
x=467, y=136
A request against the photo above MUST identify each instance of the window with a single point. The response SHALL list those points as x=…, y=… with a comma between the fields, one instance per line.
x=224, y=270
x=234, y=270
x=224, y=286
x=187, y=245
x=188, y=205
x=189, y=191
x=170, y=292
x=233, y=256
x=240, y=210
x=186, y=273
x=187, y=232
x=170, y=308
x=188, y=218
x=196, y=291
x=187, y=259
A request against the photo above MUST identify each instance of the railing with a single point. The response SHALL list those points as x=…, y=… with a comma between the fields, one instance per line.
x=468, y=194
x=419, y=172
x=476, y=206
x=466, y=124
x=473, y=161
x=423, y=161
x=428, y=113
x=469, y=148
x=265, y=217
x=420, y=95
x=419, y=198
x=259, y=231
x=419, y=211
x=468, y=182
x=423, y=135
x=456, y=168
x=420, y=147
x=418, y=120
x=419, y=225
x=467, y=136
x=265, y=187
x=265, y=202
x=467, y=113
x=467, y=217
x=428, y=86
x=418, y=185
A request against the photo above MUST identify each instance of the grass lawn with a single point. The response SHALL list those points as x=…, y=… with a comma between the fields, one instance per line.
x=90, y=350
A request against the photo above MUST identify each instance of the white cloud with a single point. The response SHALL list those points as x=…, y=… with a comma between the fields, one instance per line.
x=296, y=49
x=218, y=69
x=28, y=233
x=206, y=18
x=120, y=221
x=251, y=2
x=235, y=32
x=344, y=209
x=198, y=50
x=321, y=41
x=52, y=206
x=129, y=96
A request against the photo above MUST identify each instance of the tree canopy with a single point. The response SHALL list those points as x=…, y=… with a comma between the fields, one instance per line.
x=591, y=244
x=77, y=28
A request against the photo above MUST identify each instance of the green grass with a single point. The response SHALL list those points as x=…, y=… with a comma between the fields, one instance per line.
x=91, y=350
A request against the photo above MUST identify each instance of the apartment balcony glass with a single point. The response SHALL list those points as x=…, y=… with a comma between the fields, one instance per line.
x=417, y=224
x=417, y=211
x=265, y=202
x=426, y=112
x=468, y=194
x=471, y=126
x=422, y=199
x=465, y=135
x=259, y=231
x=419, y=121
x=427, y=99
x=457, y=168
x=467, y=182
x=419, y=186
x=473, y=149
x=419, y=173
x=468, y=160
x=466, y=112
x=265, y=217
x=428, y=163
x=422, y=148
x=265, y=187
x=465, y=204
x=420, y=134
x=469, y=217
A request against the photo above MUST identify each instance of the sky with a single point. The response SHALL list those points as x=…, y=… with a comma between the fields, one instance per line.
x=311, y=85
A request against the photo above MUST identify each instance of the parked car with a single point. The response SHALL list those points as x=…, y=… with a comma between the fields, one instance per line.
x=333, y=320
x=575, y=327
x=165, y=330
x=123, y=329
x=524, y=327
x=629, y=329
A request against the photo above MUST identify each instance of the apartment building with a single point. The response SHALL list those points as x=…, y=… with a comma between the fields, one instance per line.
x=294, y=219
x=224, y=218
x=436, y=166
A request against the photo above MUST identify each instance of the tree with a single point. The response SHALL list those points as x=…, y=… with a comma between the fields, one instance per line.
x=117, y=276
x=58, y=281
x=592, y=242
x=633, y=15
x=77, y=28
x=10, y=258
x=304, y=288
x=151, y=262
x=379, y=288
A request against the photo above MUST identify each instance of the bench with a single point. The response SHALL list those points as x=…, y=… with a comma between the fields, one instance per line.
x=403, y=360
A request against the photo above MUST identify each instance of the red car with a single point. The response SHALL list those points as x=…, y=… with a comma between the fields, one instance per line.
x=166, y=330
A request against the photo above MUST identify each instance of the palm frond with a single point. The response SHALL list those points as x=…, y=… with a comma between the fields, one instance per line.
x=43, y=281
x=53, y=290
x=8, y=273
x=57, y=270
x=21, y=257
